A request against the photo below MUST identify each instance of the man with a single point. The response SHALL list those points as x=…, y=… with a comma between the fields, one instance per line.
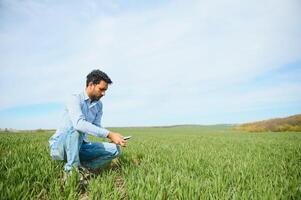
x=82, y=116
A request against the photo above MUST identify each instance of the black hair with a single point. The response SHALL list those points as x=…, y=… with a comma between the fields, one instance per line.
x=96, y=76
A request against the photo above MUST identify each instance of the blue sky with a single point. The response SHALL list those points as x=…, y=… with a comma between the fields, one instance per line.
x=172, y=62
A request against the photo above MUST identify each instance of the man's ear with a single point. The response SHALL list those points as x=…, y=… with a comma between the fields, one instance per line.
x=90, y=84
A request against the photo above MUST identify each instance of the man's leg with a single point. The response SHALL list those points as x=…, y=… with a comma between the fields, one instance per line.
x=73, y=141
x=95, y=154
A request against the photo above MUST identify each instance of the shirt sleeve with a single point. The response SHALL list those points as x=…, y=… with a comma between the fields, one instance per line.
x=79, y=121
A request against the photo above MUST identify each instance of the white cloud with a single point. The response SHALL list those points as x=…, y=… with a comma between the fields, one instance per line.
x=154, y=56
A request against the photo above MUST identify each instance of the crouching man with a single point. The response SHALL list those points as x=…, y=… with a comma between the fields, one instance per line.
x=82, y=116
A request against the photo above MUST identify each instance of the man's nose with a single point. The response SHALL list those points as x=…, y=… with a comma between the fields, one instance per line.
x=103, y=93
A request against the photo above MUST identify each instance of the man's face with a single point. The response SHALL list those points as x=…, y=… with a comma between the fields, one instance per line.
x=98, y=90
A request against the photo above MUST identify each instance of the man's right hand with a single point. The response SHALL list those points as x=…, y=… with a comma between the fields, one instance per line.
x=117, y=139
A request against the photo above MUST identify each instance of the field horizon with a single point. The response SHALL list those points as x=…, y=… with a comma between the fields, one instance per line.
x=278, y=124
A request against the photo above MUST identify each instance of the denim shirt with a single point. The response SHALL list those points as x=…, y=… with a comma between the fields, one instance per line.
x=82, y=115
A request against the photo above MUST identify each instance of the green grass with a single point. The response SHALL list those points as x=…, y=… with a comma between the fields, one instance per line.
x=185, y=162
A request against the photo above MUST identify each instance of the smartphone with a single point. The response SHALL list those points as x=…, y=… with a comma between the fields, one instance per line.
x=127, y=137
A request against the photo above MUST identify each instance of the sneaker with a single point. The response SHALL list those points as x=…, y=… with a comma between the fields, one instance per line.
x=81, y=174
x=91, y=171
x=95, y=171
x=85, y=173
x=84, y=176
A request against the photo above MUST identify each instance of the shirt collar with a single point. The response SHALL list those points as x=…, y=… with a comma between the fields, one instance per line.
x=87, y=98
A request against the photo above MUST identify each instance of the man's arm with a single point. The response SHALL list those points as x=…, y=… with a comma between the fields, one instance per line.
x=79, y=121
x=114, y=137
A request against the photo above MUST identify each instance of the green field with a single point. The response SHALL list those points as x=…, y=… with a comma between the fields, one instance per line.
x=185, y=162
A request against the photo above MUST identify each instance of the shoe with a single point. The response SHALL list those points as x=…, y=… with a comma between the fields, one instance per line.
x=77, y=174
x=91, y=171
x=95, y=171
x=85, y=175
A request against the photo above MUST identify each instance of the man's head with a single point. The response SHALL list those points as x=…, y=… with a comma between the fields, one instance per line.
x=97, y=84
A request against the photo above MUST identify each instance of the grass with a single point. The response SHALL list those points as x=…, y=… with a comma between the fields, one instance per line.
x=184, y=162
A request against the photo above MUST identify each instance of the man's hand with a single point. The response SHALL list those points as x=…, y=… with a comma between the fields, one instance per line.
x=117, y=139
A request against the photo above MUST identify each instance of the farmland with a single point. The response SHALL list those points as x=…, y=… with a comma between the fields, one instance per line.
x=184, y=162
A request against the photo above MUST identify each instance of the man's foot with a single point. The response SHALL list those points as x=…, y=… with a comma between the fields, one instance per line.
x=80, y=175
x=93, y=171
x=85, y=174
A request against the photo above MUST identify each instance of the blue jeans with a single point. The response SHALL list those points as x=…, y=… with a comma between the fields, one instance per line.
x=87, y=154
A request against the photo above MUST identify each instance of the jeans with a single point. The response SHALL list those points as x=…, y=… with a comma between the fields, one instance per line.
x=87, y=154
x=97, y=154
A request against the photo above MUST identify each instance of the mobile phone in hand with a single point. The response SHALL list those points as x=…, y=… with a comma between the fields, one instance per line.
x=127, y=137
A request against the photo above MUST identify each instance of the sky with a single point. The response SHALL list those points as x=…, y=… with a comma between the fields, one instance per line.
x=171, y=62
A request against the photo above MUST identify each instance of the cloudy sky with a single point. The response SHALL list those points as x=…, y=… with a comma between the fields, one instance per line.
x=172, y=62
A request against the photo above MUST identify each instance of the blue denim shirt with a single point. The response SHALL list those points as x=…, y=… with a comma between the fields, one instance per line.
x=82, y=115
